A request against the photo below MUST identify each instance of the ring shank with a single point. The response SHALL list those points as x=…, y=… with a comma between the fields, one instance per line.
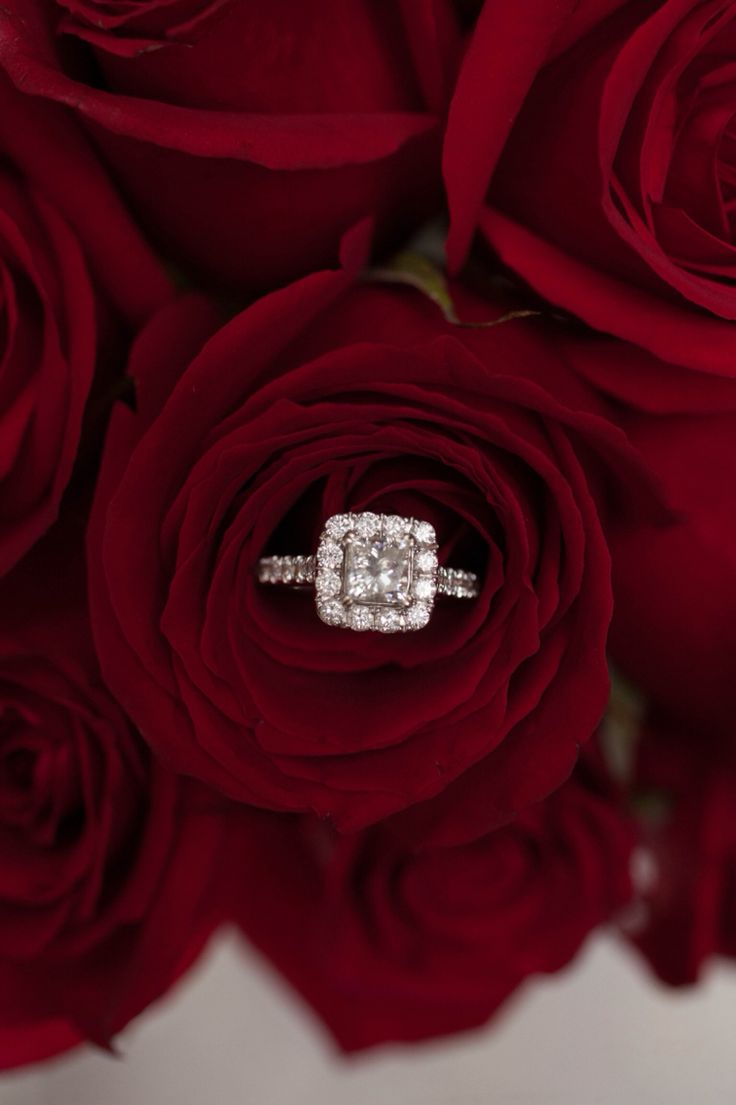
x=300, y=571
x=295, y=571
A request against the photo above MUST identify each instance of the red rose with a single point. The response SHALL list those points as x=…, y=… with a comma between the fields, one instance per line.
x=132, y=29
x=270, y=136
x=674, y=625
x=319, y=399
x=396, y=944
x=46, y=149
x=612, y=196
x=643, y=382
x=108, y=863
x=687, y=795
x=58, y=220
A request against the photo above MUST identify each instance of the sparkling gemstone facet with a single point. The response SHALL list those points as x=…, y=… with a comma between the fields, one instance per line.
x=418, y=616
x=424, y=589
x=424, y=533
x=388, y=620
x=328, y=583
x=378, y=571
x=360, y=618
x=330, y=555
x=426, y=561
x=332, y=612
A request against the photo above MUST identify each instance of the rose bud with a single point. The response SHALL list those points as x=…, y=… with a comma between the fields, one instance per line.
x=72, y=270
x=612, y=192
x=685, y=792
x=111, y=868
x=403, y=944
x=268, y=130
x=327, y=398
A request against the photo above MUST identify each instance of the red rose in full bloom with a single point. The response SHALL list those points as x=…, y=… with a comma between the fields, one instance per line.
x=403, y=944
x=612, y=193
x=109, y=865
x=71, y=264
x=323, y=398
x=250, y=152
x=687, y=792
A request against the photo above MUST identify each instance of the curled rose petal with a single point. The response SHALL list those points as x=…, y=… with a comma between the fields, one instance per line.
x=613, y=193
x=301, y=117
x=130, y=29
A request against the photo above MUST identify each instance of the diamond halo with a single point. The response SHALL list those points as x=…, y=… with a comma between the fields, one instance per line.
x=376, y=571
x=373, y=572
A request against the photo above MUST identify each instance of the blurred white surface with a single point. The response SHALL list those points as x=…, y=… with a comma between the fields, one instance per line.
x=602, y=1033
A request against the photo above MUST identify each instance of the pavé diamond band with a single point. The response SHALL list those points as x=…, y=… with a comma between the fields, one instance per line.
x=373, y=572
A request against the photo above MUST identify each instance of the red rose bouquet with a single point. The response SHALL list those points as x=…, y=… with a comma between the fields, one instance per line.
x=317, y=553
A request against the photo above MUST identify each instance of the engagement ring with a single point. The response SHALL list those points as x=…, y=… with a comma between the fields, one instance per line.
x=373, y=572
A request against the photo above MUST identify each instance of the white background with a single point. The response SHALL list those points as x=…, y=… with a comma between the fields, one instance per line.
x=601, y=1033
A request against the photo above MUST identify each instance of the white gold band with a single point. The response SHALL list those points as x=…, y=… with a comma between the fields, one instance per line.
x=301, y=571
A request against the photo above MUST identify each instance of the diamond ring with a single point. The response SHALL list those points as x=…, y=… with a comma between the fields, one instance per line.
x=373, y=571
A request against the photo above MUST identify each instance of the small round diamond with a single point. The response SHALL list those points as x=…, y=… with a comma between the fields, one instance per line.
x=395, y=527
x=388, y=621
x=418, y=616
x=330, y=555
x=332, y=612
x=424, y=589
x=328, y=583
x=338, y=525
x=360, y=618
x=425, y=561
x=367, y=525
x=424, y=533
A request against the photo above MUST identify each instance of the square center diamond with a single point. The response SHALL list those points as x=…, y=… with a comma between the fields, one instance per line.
x=378, y=571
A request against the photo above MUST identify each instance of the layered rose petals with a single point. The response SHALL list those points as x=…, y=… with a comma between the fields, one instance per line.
x=72, y=271
x=134, y=27
x=318, y=400
x=613, y=196
x=109, y=865
x=47, y=354
x=404, y=944
x=267, y=138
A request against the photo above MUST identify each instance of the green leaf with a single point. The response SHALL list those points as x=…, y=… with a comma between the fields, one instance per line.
x=417, y=271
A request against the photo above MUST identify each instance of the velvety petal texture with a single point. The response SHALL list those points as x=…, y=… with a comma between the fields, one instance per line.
x=674, y=626
x=613, y=196
x=323, y=398
x=110, y=867
x=301, y=117
x=404, y=944
x=55, y=318
x=225, y=319
x=133, y=27
x=686, y=786
x=47, y=357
